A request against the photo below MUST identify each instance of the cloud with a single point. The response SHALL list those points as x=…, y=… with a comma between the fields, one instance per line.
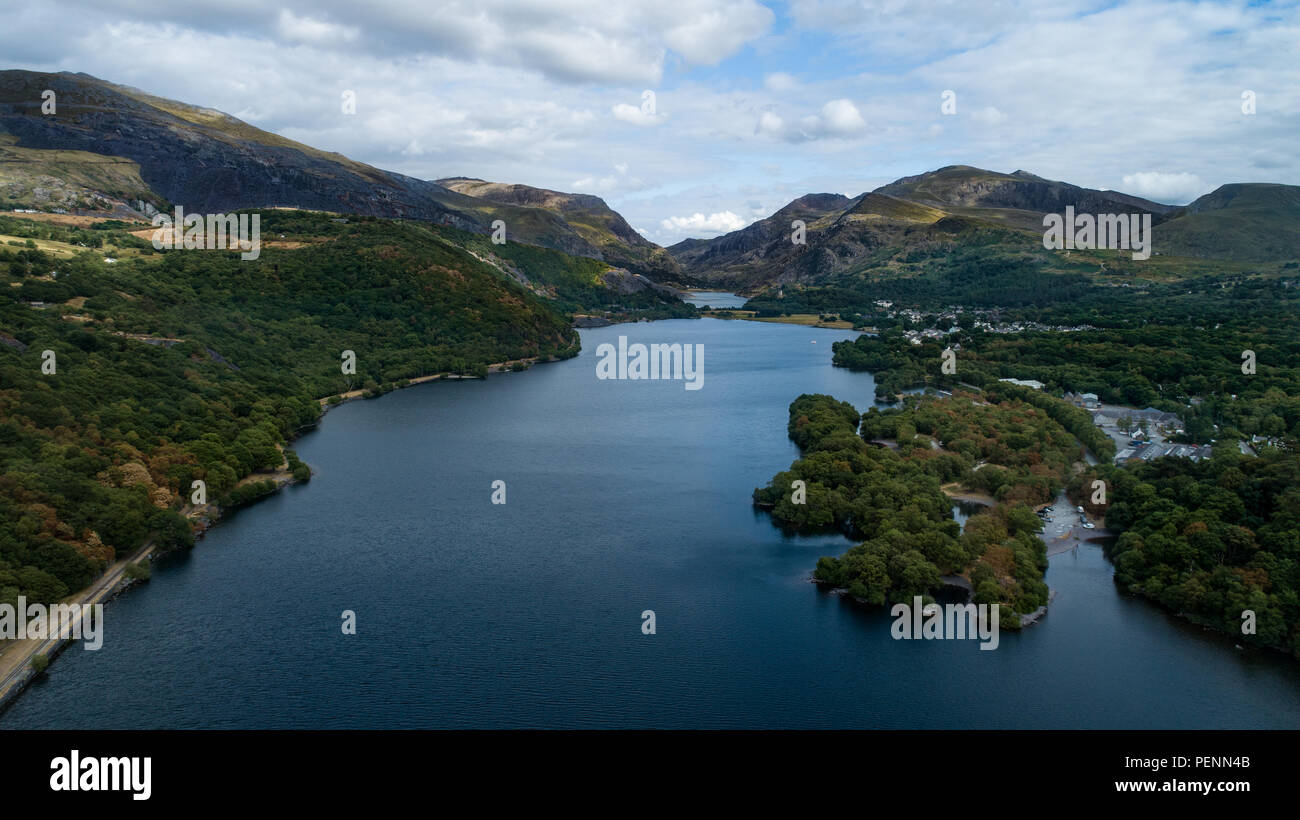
x=988, y=116
x=918, y=31
x=718, y=223
x=571, y=41
x=838, y=118
x=769, y=124
x=637, y=115
x=608, y=184
x=526, y=90
x=309, y=30
x=842, y=117
x=1174, y=188
x=780, y=82
x=712, y=31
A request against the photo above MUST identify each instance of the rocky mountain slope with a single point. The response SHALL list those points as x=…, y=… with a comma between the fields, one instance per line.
x=959, y=205
x=609, y=235
x=111, y=149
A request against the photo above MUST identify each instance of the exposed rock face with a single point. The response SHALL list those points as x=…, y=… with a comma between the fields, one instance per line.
x=961, y=186
x=762, y=250
x=625, y=282
x=202, y=159
x=923, y=209
x=210, y=162
x=607, y=234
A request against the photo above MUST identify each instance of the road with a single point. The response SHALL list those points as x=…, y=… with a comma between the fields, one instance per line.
x=1063, y=532
x=16, y=658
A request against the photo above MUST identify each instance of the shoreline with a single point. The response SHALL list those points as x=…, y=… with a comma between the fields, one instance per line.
x=778, y=320
x=16, y=670
x=950, y=582
x=327, y=402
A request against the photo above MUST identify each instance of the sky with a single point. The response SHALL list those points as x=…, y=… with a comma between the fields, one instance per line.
x=696, y=118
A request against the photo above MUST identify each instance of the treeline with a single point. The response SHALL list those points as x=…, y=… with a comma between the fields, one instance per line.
x=1076, y=420
x=893, y=501
x=182, y=365
x=1161, y=366
x=572, y=284
x=943, y=273
x=1212, y=540
x=998, y=443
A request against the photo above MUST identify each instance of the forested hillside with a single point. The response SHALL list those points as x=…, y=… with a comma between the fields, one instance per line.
x=892, y=502
x=179, y=365
x=1184, y=358
x=1213, y=540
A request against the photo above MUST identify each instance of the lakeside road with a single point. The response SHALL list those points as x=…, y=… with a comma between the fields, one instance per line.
x=16, y=655
x=492, y=368
x=15, y=659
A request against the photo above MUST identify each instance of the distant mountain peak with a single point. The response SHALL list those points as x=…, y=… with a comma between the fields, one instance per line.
x=207, y=160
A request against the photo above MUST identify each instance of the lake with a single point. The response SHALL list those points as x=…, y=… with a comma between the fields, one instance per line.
x=621, y=496
x=715, y=299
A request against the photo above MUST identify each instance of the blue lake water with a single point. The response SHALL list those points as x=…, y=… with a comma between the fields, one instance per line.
x=621, y=497
x=716, y=299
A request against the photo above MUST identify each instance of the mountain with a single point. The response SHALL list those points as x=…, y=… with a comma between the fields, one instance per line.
x=178, y=365
x=1256, y=222
x=741, y=257
x=120, y=151
x=1017, y=200
x=607, y=232
x=931, y=214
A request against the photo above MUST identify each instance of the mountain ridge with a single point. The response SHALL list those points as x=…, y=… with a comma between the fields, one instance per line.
x=207, y=160
x=1238, y=221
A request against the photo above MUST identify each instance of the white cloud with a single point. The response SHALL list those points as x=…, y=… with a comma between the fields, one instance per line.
x=609, y=184
x=711, y=32
x=525, y=90
x=917, y=31
x=718, y=223
x=637, y=115
x=769, y=124
x=837, y=118
x=988, y=116
x=309, y=30
x=1172, y=188
x=780, y=82
x=842, y=117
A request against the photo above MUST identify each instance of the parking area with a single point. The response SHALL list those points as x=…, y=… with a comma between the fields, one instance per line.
x=1064, y=527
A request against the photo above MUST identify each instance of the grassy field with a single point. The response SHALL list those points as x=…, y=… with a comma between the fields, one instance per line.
x=63, y=250
x=806, y=319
